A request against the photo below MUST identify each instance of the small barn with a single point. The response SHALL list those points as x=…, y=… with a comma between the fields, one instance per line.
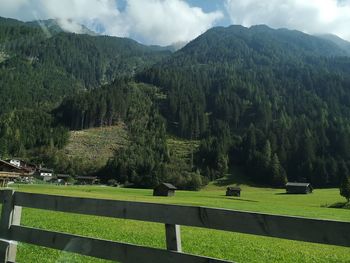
x=164, y=189
x=61, y=178
x=233, y=191
x=299, y=188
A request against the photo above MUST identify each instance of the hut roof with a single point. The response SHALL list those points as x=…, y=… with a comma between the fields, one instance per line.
x=299, y=184
x=234, y=188
x=9, y=164
x=23, y=170
x=46, y=170
x=169, y=186
x=63, y=175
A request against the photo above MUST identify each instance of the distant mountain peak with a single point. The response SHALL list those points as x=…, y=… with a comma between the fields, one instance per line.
x=227, y=42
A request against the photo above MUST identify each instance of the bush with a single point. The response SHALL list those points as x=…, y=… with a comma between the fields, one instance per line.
x=113, y=182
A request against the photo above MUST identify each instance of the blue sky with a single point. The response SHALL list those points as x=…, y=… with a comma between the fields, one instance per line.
x=213, y=5
x=165, y=22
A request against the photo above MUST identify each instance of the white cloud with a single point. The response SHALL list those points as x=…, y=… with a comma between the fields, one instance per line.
x=153, y=21
x=311, y=16
x=168, y=21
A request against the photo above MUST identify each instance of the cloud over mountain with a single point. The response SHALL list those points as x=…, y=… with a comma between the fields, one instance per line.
x=311, y=16
x=153, y=21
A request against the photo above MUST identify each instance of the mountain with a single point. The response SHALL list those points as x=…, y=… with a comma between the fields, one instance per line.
x=225, y=44
x=276, y=102
x=45, y=65
x=341, y=43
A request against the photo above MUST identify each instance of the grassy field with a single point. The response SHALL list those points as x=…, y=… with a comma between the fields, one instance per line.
x=231, y=246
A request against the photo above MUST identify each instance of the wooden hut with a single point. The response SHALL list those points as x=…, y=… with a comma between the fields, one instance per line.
x=233, y=191
x=61, y=178
x=164, y=189
x=299, y=188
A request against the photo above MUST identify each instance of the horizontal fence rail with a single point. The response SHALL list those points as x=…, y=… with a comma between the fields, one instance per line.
x=173, y=216
x=295, y=228
x=103, y=249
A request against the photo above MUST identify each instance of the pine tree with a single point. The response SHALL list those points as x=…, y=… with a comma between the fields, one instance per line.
x=267, y=154
x=345, y=188
x=278, y=174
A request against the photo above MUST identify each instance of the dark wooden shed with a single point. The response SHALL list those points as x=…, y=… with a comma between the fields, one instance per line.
x=62, y=178
x=299, y=188
x=233, y=191
x=164, y=189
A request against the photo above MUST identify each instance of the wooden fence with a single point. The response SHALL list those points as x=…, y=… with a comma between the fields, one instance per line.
x=287, y=227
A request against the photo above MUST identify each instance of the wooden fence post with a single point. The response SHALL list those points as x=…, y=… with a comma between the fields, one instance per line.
x=10, y=215
x=173, y=237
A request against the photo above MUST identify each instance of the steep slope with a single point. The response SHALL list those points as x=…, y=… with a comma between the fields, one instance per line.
x=36, y=69
x=341, y=43
x=258, y=42
x=275, y=101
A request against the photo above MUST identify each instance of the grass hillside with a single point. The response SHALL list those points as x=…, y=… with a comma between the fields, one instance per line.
x=96, y=145
x=232, y=246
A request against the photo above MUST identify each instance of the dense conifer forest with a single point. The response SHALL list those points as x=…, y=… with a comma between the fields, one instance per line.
x=275, y=103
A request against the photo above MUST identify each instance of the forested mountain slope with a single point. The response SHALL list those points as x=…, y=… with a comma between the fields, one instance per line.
x=341, y=43
x=37, y=69
x=274, y=101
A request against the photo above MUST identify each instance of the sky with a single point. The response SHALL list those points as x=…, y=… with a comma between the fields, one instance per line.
x=165, y=22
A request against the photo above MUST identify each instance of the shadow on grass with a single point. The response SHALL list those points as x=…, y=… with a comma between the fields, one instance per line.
x=291, y=194
x=236, y=177
x=342, y=205
x=240, y=199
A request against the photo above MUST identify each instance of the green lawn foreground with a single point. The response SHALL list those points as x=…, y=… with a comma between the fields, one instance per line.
x=213, y=243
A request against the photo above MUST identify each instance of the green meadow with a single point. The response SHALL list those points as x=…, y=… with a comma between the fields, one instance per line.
x=225, y=245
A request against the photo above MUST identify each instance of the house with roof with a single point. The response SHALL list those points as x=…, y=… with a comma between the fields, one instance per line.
x=29, y=167
x=12, y=168
x=298, y=188
x=164, y=189
x=233, y=191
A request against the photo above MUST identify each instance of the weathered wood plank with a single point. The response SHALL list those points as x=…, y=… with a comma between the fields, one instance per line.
x=6, y=212
x=173, y=237
x=10, y=215
x=2, y=196
x=295, y=228
x=121, y=252
x=4, y=247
